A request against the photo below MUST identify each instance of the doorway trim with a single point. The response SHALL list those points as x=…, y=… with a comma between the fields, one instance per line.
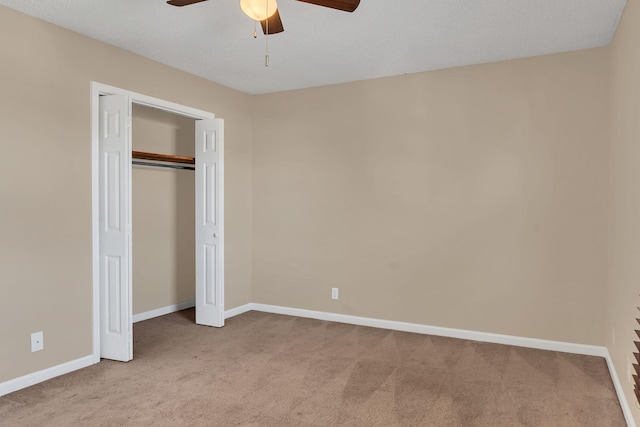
x=98, y=89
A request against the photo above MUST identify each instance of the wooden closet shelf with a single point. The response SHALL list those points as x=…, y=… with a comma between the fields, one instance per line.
x=163, y=157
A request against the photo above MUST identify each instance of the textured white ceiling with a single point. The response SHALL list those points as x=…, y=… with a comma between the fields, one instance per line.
x=320, y=46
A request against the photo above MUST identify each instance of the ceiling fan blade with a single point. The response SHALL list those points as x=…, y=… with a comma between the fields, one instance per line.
x=183, y=2
x=275, y=24
x=345, y=5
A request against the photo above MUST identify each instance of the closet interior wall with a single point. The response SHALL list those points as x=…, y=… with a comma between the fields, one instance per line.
x=163, y=203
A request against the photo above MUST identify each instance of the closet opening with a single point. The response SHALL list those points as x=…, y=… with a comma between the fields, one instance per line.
x=157, y=221
x=163, y=212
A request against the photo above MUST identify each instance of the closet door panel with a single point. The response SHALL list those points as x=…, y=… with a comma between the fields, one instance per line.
x=209, y=229
x=116, y=341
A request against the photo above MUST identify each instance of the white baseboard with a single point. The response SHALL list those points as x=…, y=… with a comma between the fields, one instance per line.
x=566, y=347
x=232, y=312
x=183, y=306
x=44, y=375
x=590, y=350
x=626, y=410
x=163, y=310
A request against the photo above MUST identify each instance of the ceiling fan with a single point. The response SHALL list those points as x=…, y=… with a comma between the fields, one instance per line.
x=266, y=11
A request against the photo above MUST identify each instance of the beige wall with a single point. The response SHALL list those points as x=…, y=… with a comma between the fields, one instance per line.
x=45, y=181
x=163, y=212
x=624, y=189
x=469, y=198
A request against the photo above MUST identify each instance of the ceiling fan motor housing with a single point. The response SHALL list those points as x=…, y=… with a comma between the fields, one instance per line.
x=259, y=10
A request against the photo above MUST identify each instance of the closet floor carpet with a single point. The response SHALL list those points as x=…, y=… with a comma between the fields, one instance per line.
x=271, y=370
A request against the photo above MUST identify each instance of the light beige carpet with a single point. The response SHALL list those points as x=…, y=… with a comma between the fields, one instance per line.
x=270, y=370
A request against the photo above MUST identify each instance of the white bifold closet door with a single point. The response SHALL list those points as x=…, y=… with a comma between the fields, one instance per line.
x=209, y=218
x=116, y=337
x=114, y=148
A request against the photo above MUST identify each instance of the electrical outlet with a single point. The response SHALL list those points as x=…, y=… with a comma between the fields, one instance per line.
x=37, y=341
x=334, y=293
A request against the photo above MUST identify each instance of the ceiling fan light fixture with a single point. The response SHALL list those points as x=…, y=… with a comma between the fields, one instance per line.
x=259, y=10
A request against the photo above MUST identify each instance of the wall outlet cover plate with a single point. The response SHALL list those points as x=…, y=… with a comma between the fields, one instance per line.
x=37, y=341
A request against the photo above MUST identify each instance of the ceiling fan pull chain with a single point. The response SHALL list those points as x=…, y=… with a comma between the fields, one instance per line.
x=266, y=37
x=255, y=34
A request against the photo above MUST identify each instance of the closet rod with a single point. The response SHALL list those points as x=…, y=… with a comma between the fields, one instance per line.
x=163, y=157
x=162, y=165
